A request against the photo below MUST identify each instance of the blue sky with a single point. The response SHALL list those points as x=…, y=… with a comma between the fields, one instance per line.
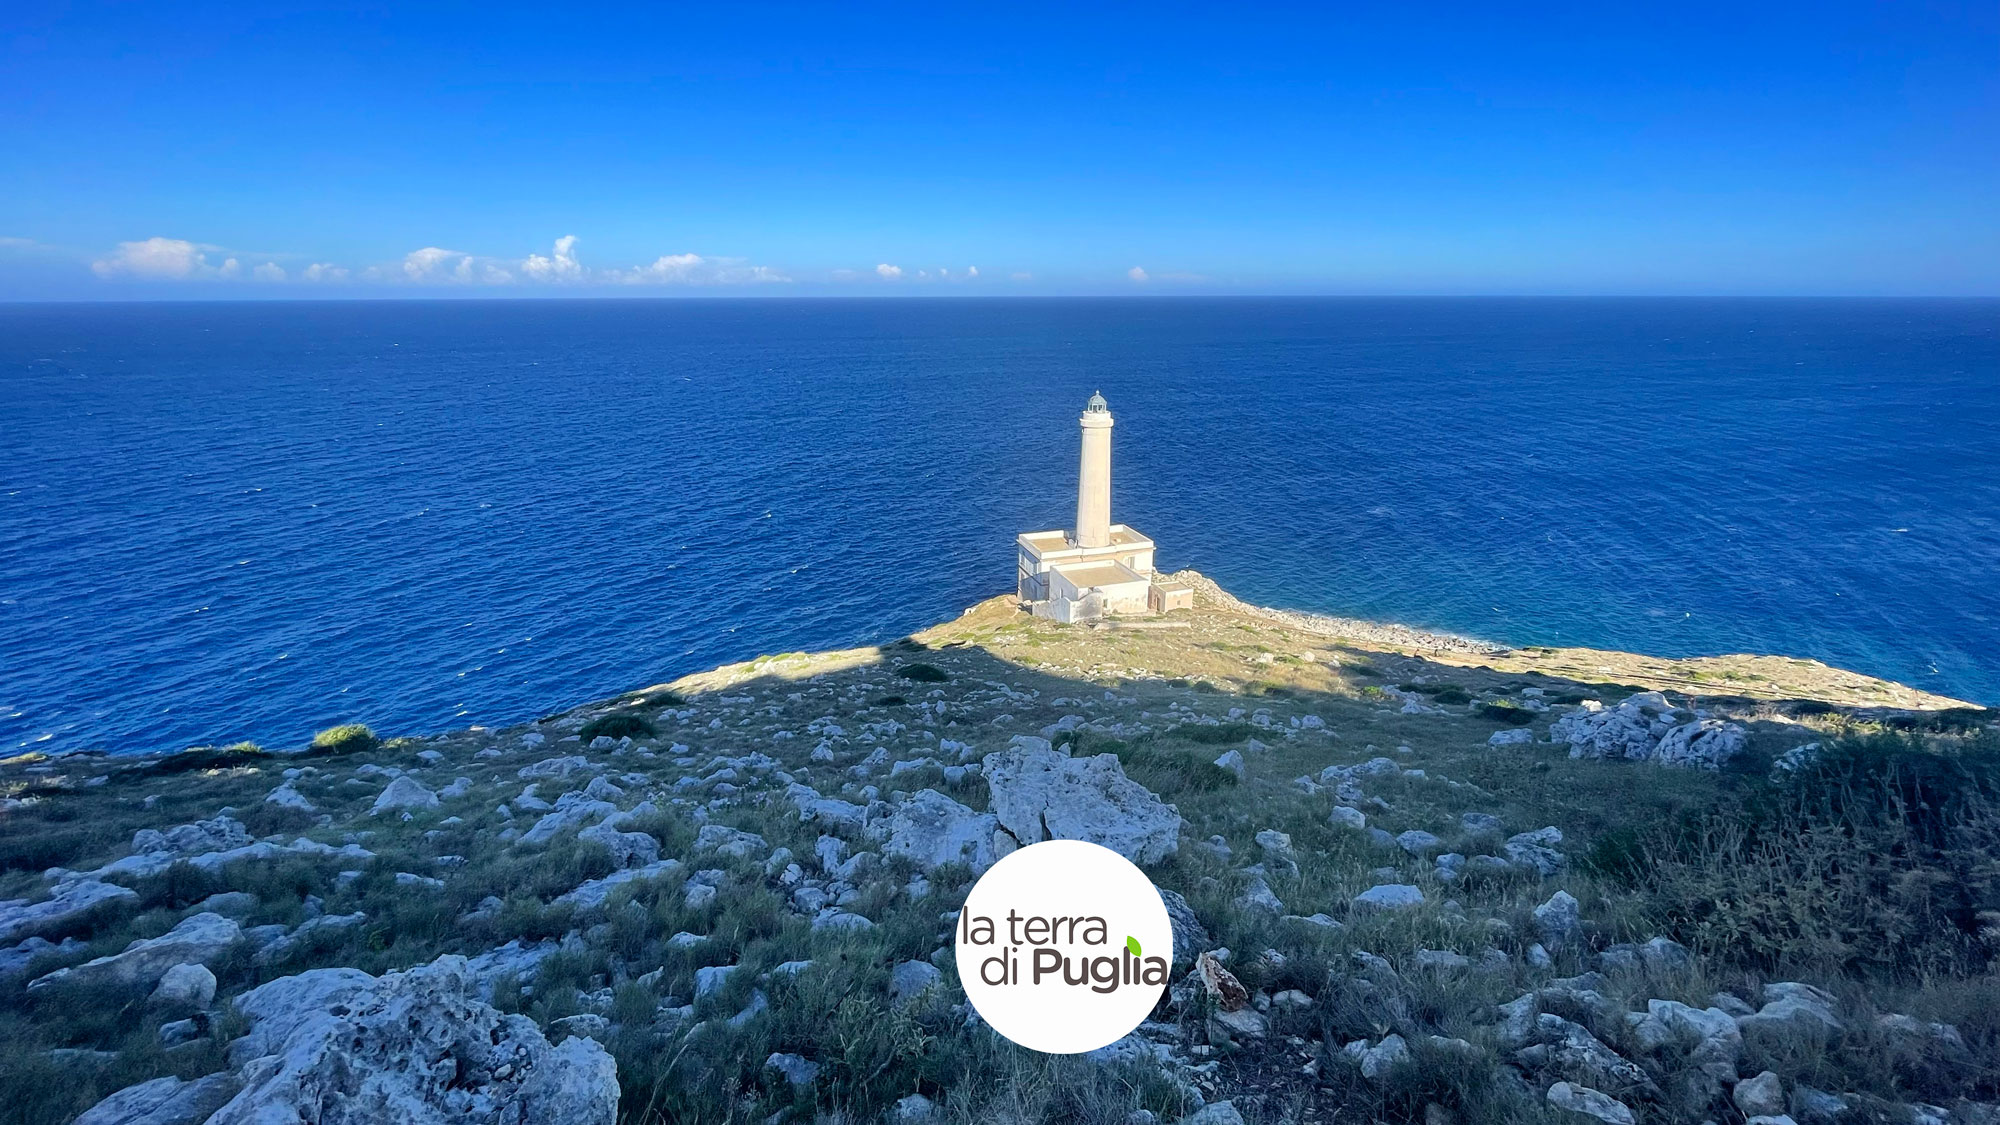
x=263, y=150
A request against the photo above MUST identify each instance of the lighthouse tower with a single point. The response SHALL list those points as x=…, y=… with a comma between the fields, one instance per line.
x=1093, y=479
x=1097, y=569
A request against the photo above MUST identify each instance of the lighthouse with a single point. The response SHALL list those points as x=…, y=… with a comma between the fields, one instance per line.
x=1093, y=478
x=1097, y=569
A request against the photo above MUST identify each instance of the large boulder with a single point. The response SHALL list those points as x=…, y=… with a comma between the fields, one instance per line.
x=199, y=939
x=216, y=834
x=930, y=829
x=1705, y=744
x=72, y=906
x=1038, y=794
x=414, y=1047
x=1645, y=727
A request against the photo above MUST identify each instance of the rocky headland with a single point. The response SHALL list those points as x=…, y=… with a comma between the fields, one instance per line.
x=1412, y=878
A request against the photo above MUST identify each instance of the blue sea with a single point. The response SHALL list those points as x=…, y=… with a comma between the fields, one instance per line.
x=225, y=521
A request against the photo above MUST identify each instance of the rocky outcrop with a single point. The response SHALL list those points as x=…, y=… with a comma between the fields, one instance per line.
x=199, y=939
x=71, y=907
x=418, y=1047
x=1645, y=727
x=930, y=829
x=1039, y=794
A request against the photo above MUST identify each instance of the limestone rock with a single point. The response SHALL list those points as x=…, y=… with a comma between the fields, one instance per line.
x=415, y=1047
x=1558, y=920
x=1352, y=817
x=930, y=829
x=1257, y=898
x=1190, y=936
x=199, y=938
x=593, y=894
x=1233, y=762
x=1039, y=794
x=70, y=907
x=1589, y=1103
x=185, y=987
x=1703, y=744
x=1762, y=1096
x=1535, y=851
x=1645, y=727
x=911, y=979
x=1389, y=896
x=798, y=1071
x=1417, y=842
x=163, y=1101
x=287, y=796
x=1377, y=1061
x=1791, y=1008
x=1215, y=1113
x=628, y=849
x=219, y=833
x=1515, y=736
x=405, y=793
x=734, y=842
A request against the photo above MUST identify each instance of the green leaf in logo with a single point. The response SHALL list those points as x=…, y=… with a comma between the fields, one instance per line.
x=1132, y=944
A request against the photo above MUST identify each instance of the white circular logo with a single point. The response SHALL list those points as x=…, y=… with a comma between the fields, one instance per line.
x=1064, y=946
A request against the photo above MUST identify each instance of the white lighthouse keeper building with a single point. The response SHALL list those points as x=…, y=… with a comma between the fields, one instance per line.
x=1101, y=568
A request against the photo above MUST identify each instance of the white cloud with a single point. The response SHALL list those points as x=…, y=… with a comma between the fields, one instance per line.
x=972, y=271
x=693, y=269
x=230, y=268
x=889, y=272
x=422, y=265
x=667, y=269
x=494, y=275
x=324, y=271
x=561, y=266
x=750, y=275
x=1136, y=273
x=269, y=271
x=166, y=258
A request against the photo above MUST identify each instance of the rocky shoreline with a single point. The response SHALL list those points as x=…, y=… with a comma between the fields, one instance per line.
x=732, y=898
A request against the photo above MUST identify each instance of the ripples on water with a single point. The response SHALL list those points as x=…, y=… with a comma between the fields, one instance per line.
x=227, y=521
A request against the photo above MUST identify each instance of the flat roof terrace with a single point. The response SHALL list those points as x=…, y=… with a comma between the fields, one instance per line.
x=1047, y=543
x=1100, y=574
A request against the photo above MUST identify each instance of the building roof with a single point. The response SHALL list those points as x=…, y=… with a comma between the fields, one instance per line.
x=1048, y=544
x=1085, y=575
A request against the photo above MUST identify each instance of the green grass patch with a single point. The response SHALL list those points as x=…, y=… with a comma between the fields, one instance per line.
x=348, y=738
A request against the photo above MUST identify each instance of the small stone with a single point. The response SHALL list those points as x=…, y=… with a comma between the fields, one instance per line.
x=1762, y=1096
x=186, y=987
x=910, y=980
x=1389, y=896
x=1559, y=919
x=798, y=1071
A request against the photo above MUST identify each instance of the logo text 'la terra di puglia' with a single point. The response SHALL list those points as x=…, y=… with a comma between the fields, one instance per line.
x=1045, y=941
x=1064, y=946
